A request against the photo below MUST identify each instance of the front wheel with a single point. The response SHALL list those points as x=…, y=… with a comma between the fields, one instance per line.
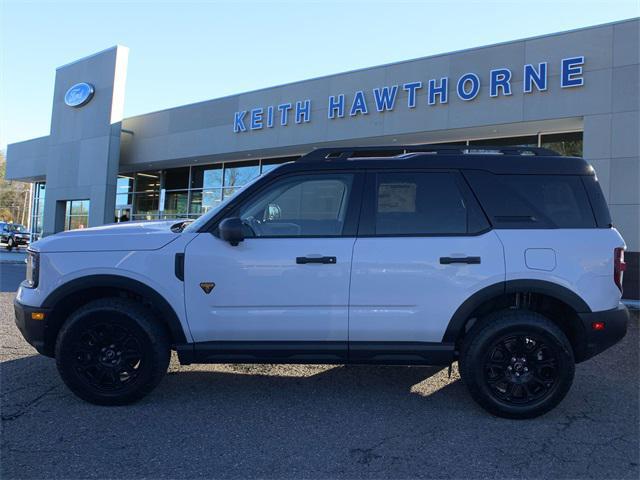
x=112, y=351
x=517, y=364
x=10, y=244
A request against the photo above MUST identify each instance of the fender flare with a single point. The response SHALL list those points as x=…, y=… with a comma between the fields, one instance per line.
x=550, y=289
x=116, y=281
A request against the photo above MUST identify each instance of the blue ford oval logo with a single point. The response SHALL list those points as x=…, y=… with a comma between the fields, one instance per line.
x=79, y=94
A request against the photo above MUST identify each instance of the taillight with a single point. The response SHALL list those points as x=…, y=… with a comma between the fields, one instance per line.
x=618, y=266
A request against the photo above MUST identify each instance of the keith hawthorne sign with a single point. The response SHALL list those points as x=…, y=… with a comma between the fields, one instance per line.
x=383, y=99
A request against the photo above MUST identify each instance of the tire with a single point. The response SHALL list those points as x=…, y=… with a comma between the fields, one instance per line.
x=517, y=364
x=10, y=244
x=112, y=351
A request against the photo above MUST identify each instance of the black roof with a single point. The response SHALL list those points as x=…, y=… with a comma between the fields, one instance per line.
x=500, y=160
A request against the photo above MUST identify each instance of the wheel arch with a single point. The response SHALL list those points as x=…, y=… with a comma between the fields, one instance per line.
x=557, y=302
x=75, y=293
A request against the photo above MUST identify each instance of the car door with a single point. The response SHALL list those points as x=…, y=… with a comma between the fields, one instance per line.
x=423, y=248
x=284, y=290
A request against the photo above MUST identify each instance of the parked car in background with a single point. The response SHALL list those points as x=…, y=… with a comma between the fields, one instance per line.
x=14, y=235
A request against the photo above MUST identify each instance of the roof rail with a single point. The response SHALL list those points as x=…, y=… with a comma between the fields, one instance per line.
x=345, y=153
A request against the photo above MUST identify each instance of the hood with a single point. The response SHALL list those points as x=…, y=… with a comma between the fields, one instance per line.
x=127, y=236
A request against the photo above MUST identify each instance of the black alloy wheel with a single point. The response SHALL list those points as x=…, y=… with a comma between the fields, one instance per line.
x=107, y=356
x=517, y=363
x=521, y=369
x=112, y=351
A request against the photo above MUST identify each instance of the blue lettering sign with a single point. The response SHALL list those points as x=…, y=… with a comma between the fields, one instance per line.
x=411, y=92
x=441, y=90
x=359, y=104
x=571, y=72
x=270, y=117
x=238, y=122
x=303, y=113
x=539, y=77
x=284, y=108
x=256, y=119
x=385, y=98
x=336, y=106
x=535, y=77
x=500, y=78
x=463, y=92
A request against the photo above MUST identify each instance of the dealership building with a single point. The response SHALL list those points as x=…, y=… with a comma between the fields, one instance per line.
x=575, y=92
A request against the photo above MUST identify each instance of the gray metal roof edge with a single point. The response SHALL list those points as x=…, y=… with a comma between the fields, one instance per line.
x=400, y=62
x=115, y=47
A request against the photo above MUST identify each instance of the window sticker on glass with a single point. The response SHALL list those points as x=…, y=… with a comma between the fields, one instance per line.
x=397, y=197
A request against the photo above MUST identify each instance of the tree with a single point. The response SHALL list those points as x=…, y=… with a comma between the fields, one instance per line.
x=14, y=197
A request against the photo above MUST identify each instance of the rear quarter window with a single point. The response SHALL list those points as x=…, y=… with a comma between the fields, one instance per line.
x=533, y=201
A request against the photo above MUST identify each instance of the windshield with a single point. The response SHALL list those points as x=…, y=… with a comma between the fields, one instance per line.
x=202, y=220
x=18, y=228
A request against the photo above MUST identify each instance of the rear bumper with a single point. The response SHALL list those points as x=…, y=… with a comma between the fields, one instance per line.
x=615, y=328
x=32, y=330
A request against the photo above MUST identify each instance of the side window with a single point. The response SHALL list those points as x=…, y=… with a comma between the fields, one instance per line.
x=533, y=201
x=422, y=203
x=307, y=205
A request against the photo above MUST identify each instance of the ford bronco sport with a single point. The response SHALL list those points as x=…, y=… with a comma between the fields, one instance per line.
x=503, y=259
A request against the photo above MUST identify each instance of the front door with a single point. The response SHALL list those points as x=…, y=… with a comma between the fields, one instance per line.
x=424, y=248
x=284, y=290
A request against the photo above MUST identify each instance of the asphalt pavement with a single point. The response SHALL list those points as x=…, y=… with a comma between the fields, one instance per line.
x=11, y=274
x=320, y=422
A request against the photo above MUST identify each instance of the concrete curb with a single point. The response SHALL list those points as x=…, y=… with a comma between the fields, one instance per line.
x=632, y=304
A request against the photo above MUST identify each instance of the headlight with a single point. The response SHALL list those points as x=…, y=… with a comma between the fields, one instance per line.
x=33, y=269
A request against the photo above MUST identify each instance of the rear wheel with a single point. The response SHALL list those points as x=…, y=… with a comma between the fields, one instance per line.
x=112, y=352
x=517, y=364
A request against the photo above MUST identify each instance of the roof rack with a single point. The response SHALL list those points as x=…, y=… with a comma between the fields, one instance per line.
x=345, y=153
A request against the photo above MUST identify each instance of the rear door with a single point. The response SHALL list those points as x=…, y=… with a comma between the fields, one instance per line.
x=424, y=247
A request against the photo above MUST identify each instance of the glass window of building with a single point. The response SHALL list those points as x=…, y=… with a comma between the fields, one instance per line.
x=146, y=181
x=76, y=214
x=569, y=144
x=146, y=195
x=237, y=175
x=206, y=189
x=526, y=141
x=145, y=205
x=206, y=176
x=175, y=204
x=176, y=178
x=124, y=189
x=37, y=211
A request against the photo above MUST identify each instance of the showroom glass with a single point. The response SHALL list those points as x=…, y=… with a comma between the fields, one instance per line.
x=569, y=144
x=124, y=189
x=76, y=214
x=37, y=209
x=418, y=203
x=309, y=205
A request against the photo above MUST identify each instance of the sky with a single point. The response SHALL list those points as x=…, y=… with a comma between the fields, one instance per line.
x=188, y=51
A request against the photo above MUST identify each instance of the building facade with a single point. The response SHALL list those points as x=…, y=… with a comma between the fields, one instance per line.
x=575, y=92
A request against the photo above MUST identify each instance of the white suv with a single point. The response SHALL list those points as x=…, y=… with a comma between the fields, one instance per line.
x=503, y=259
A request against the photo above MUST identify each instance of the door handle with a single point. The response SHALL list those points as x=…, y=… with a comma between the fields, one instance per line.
x=450, y=260
x=305, y=260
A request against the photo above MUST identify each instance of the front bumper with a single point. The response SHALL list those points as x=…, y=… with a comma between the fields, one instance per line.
x=33, y=331
x=615, y=328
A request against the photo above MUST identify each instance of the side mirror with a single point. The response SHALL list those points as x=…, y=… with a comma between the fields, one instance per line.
x=231, y=230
